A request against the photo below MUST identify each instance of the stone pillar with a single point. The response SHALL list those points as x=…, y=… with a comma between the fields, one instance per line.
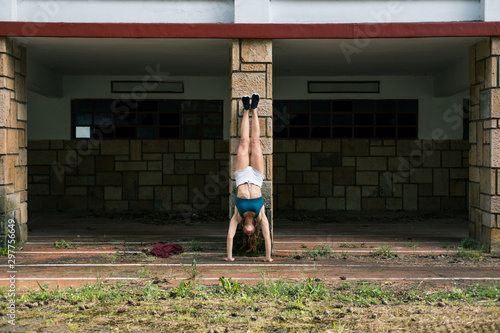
x=484, y=154
x=13, y=150
x=251, y=72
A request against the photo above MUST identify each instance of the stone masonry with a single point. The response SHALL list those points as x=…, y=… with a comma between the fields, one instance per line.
x=484, y=136
x=193, y=174
x=251, y=72
x=371, y=175
x=116, y=175
x=13, y=151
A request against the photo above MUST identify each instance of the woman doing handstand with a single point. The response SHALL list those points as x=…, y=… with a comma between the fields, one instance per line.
x=249, y=176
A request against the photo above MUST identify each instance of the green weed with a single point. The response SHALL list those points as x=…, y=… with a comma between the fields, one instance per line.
x=470, y=249
x=475, y=254
x=447, y=245
x=344, y=254
x=413, y=245
x=195, y=245
x=144, y=273
x=111, y=257
x=322, y=250
x=384, y=252
x=246, y=298
x=468, y=243
x=193, y=273
x=184, y=289
x=151, y=291
x=229, y=287
x=62, y=245
x=338, y=328
x=4, y=251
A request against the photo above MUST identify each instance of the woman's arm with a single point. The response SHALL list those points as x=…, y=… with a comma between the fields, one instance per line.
x=264, y=223
x=233, y=224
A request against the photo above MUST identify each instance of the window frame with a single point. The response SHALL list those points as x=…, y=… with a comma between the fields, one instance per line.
x=402, y=119
x=99, y=131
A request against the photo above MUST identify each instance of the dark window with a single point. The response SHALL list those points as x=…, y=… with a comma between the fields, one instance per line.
x=349, y=119
x=146, y=119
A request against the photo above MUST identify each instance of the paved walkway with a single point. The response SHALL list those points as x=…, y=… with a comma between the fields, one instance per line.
x=111, y=249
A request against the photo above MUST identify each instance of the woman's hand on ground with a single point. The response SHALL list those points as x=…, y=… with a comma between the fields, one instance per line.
x=229, y=259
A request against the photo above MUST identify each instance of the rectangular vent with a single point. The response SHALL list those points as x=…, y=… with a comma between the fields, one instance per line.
x=150, y=87
x=343, y=87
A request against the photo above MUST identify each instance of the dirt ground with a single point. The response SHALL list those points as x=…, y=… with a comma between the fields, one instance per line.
x=385, y=307
x=333, y=272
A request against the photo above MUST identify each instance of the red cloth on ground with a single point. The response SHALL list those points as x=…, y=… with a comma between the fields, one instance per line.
x=165, y=250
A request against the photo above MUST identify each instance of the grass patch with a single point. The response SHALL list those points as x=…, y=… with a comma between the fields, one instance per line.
x=302, y=305
x=4, y=251
x=470, y=249
x=468, y=243
x=344, y=254
x=470, y=253
x=195, y=245
x=322, y=250
x=62, y=245
x=111, y=257
x=384, y=252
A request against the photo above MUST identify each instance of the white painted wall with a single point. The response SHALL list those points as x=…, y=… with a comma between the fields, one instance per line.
x=374, y=11
x=439, y=118
x=436, y=115
x=491, y=10
x=246, y=11
x=149, y=11
x=255, y=11
x=452, y=79
x=8, y=10
x=44, y=80
x=50, y=118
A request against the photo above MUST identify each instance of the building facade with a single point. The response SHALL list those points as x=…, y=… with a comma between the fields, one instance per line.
x=366, y=105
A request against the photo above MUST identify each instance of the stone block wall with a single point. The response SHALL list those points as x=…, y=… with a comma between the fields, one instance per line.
x=181, y=175
x=13, y=152
x=175, y=175
x=370, y=175
x=484, y=137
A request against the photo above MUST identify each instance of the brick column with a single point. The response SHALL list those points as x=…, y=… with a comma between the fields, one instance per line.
x=13, y=152
x=251, y=72
x=484, y=155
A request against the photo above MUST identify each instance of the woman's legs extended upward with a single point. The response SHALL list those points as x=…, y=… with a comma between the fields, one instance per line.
x=256, y=159
x=242, y=158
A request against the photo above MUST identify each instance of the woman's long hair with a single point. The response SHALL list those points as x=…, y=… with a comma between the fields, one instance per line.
x=251, y=241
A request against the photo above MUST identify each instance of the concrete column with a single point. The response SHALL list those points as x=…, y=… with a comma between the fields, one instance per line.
x=484, y=155
x=13, y=152
x=251, y=72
